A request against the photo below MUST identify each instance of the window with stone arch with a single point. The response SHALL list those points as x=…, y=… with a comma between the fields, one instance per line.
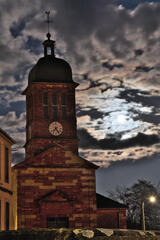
x=63, y=106
x=55, y=106
x=45, y=105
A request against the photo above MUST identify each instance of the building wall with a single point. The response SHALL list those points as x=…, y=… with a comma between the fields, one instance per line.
x=6, y=187
x=38, y=136
x=64, y=190
x=111, y=218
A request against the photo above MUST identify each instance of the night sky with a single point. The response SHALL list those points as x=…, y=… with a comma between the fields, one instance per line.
x=114, y=50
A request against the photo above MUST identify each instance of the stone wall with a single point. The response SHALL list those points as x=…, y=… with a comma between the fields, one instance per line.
x=56, y=184
x=111, y=218
x=80, y=234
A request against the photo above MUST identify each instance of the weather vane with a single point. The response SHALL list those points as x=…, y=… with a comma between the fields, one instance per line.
x=48, y=19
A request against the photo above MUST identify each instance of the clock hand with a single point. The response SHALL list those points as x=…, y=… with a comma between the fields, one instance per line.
x=56, y=129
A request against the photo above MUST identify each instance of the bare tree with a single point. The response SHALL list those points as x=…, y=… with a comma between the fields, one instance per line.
x=133, y=197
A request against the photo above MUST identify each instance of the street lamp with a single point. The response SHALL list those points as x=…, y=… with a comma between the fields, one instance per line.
x=152, y=199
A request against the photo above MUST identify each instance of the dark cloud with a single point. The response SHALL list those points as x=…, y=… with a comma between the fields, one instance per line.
x=79, y=20
x=18, y=107
x=93, y=113
x=146, y=18
x=150, y=118
x=102, y=84
x=118, y=153
x=16, y=28
x=86, y=18
x=138, y=96
x=112, y=66
x=121, y=47
x=87, y=141
x=143, y=69
x=34, y=45
x=138, y=52
x=146, y=100
x=95, y=19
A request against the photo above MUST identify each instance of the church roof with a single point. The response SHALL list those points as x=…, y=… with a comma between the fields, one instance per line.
x=104, y=202
x=51, y=70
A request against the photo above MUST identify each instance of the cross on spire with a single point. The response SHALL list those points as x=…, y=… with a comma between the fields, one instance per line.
x=48, y=22
x=48, y=44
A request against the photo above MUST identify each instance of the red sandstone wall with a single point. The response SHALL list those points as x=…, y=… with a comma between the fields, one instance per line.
x=70, y=186
x=111, y=218
x=37, y=125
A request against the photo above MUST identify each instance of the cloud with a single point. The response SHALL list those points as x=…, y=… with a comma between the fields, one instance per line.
x=138, y=52
x=16, y=131
x=105, y=158
x=87, y=141
x=112, y=66
x=143, y=69
x=103, y=40
x=10, y=96
x=93, y=113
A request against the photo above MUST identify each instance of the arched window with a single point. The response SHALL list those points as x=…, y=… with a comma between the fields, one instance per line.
x=45, y=105
x=49, y=52
x=55, y=106
x=63, y=106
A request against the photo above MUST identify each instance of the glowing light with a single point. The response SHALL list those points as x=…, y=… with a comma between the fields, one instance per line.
x=152, y=199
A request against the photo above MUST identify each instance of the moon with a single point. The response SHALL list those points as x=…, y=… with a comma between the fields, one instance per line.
x=121, y=119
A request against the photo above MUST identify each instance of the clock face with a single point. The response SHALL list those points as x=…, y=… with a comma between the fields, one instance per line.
x=55, y=128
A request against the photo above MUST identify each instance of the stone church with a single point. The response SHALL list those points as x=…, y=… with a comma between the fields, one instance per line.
x=55, y=186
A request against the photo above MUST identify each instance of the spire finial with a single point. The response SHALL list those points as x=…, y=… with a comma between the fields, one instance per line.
x=48, y=22
x=48, y=44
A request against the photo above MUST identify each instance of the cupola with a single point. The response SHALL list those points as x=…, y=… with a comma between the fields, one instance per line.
x=49, y=68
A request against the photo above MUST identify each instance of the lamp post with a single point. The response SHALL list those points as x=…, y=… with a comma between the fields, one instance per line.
x=143, y=218
x=152, y=199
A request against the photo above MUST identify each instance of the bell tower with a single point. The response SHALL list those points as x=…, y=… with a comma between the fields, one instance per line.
x=50, y=104
x=55, y=186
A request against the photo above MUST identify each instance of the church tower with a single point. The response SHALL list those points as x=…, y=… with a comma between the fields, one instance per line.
x=50, y=100
x=55, y=187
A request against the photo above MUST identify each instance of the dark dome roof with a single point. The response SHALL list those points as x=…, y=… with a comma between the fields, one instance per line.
x=51, y=69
